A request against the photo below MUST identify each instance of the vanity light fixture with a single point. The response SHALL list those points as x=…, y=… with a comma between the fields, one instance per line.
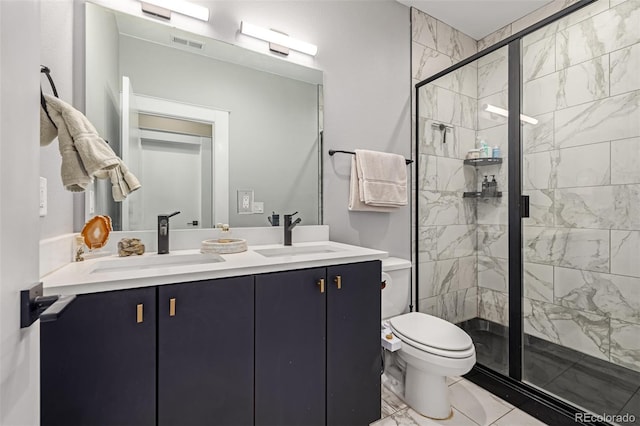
x=503, y=112
x=278, y=40
x=163, y=8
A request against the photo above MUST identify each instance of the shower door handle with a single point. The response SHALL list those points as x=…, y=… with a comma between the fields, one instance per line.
x=524, y=206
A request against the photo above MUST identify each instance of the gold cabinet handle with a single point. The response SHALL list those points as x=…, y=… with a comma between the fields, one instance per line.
x=321, y=284
x=172, y=307
x=140, y=313
x=338, y=280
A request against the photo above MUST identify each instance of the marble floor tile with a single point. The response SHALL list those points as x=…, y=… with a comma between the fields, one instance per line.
x=478, y=404
x=391, y=403
x=517, y=417
x=452, y=380
x=409, y=417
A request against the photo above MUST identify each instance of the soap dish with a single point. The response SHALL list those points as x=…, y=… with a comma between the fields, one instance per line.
x=226, y=246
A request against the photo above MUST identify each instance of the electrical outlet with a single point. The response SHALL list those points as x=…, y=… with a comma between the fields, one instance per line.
x=245, y=201
x=258, y=207
x=43, y=196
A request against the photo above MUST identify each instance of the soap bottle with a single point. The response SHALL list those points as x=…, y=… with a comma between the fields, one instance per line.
x=493, y=186
x=485, y=186
x=225, y=234
x=483, y=148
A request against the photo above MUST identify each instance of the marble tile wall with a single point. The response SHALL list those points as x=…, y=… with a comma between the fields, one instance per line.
x=582, y=275
x=447, y=223
x=580, y=81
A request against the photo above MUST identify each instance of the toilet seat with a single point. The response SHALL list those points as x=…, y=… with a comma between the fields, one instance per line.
x=433, y=335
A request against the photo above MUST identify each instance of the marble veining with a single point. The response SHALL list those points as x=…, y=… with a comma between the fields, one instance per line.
x=458, y=306
x=539, y=137
x=494, y=37
x=428, y=177
x=423, y=28
x=625, y=345
x=586, y=249
x=456, y=241
x=625, y=246
x=493, y=306
x=604, y=207
x=454, y=43
x=493, y=273
x=538, y=282
x=625, y=157
x=427, y=243
x=625, y=64
x=487, y=119
x=586, y=165
x=463, y=80
x=494, y=211
x=542, y=209
x=444, y=276
x=603, y=33
x=539, y=58
x=456, y=108
x=584, y=332
x=493, y=77
x=603, y=120
x=427, y=62
x=453, y=175
x=444, y=208
x=493, y=240
x=613, y=296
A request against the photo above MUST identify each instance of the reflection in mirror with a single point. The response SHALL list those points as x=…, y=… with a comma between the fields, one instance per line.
x=221, y=133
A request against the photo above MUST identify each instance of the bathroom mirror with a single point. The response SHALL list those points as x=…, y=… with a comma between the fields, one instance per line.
x=221, y=133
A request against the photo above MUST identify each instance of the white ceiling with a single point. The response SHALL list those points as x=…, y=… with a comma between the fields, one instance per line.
x=476, y=18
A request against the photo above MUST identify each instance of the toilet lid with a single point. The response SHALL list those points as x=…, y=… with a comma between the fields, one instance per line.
x=431, y=331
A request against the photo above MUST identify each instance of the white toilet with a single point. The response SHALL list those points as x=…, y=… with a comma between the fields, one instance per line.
x=431, y=348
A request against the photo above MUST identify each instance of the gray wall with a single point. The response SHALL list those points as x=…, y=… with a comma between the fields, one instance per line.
x=364, y=51
x=19, y=151
x=273, y=124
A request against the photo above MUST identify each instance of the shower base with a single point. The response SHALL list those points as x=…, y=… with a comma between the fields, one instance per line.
x=591, y=383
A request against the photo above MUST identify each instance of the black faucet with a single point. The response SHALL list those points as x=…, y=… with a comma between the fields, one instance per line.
x=163, y=232
x=288, y=227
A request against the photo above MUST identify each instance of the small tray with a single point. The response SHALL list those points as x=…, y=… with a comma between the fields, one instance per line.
x=227, y=246
x=96, y=232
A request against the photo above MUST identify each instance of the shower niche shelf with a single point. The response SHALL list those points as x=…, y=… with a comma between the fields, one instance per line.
x=482, y=161
x=481, y=195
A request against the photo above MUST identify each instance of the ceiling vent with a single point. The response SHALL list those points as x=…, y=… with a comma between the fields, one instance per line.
x=187, y=43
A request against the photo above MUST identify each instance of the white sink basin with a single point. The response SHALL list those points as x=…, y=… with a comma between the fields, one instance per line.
x=297, y=251
x=154, y=261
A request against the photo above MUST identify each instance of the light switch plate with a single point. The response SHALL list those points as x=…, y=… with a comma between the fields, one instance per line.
x=43, y=196
x=258, y=207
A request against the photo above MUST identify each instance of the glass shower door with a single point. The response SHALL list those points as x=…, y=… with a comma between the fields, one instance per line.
x=580, y=154
x=462, y=218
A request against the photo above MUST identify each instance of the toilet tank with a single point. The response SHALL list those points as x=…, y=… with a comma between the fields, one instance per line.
x=396, y=296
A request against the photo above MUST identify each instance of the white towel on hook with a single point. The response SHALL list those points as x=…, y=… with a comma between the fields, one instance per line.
x=354, y=194
x=382, y=178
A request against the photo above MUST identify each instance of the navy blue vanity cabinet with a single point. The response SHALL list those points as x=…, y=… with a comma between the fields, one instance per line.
x=318, y=356
x=98, y=361
x=290, y=348
x=353, y=344
x=205, y=353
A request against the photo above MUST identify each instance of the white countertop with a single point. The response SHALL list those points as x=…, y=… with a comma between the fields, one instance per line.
x=80, y=278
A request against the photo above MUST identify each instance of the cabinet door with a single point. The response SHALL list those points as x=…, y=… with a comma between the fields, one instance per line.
x=205, y=353
x=290, y=348
x=98, y=361
x=353, y=344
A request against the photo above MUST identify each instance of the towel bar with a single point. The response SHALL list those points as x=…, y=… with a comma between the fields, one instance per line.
x=333, y=151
